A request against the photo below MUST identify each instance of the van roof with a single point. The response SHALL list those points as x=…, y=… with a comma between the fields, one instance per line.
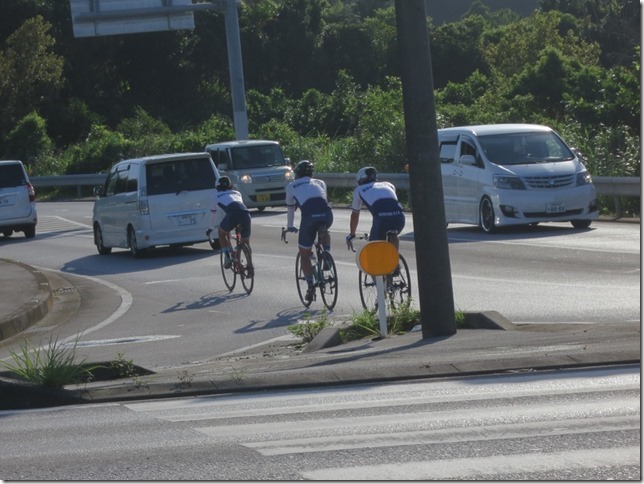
x=485, y=129
x=167, y=157
x=245, y=142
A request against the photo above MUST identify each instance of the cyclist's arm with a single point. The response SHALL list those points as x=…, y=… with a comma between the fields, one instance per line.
x=353, y=222
x=290, y=215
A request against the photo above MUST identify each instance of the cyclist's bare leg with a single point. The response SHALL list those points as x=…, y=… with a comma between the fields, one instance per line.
x=224, y=238
x=305, y=261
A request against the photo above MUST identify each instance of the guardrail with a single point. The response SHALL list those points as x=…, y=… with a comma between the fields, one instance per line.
x=605, y=185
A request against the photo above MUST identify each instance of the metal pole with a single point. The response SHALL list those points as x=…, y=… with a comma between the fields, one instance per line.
x=240, y=118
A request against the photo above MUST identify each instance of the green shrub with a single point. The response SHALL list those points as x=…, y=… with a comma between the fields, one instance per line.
x=54, y=365
x=309, y=329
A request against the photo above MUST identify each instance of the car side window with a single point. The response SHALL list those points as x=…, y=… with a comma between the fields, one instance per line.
x=121, y=181
x=467, y=148
x=447, y=150
x=110, y=184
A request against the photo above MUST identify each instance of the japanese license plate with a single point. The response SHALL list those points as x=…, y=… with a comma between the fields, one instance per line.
x=557, y=207
x=187, y=220
x=263, y=197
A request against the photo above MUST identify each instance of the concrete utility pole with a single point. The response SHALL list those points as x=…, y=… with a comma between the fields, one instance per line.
x=238, y=93
x=436, y=297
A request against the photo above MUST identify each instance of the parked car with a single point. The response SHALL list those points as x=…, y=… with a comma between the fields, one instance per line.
x=257, y=168
x=156, y=200
x=17, y=200
x=513, y=174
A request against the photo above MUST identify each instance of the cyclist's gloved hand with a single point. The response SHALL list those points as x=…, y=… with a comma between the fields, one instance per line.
x=350, y=237
x=291, y=229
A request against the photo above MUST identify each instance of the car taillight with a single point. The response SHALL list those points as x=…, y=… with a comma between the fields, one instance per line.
x=32, y=193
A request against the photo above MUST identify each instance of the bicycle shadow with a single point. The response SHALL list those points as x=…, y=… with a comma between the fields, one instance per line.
x=284, y=318
x=206, y=301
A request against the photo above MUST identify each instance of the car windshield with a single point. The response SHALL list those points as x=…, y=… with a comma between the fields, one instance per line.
x=257, y=156
x=524, y=148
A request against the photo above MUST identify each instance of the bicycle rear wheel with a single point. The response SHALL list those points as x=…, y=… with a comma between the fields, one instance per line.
x=300, y=280
x=399, y=285
x=246, y=270
x=229, y=275
x=329, y=285
x=368, y=291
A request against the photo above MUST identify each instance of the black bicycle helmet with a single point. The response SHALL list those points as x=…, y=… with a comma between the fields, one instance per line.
x=303, y=168
x=367, y=174
x=224, y=184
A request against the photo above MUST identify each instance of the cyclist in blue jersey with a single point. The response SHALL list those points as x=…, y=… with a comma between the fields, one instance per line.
x=381, y=200
x=227, y=208
x=309, y=195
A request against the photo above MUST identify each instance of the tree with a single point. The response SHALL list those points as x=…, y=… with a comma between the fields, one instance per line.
x=30, y=72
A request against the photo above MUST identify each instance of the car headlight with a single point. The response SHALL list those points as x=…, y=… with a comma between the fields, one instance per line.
x=510, y=182
x=289, y=176
x=246, y=178
x=584, y=178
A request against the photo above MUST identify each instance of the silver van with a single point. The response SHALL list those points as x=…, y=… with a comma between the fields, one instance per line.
x=257, y=168
x=513, y=174
x=155, y=200
x=17, y=200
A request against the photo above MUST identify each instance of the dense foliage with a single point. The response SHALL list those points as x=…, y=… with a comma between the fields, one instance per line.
x=321, y=76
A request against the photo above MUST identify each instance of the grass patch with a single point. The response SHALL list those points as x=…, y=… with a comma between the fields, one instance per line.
x=54, y=365
x=309, y=329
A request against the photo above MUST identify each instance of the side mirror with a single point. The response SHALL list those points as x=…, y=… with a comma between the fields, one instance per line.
x=468, y=160
x=98, y=191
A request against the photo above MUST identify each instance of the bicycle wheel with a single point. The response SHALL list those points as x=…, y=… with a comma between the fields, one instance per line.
x=300, y=280
x=368, y=291
x=246, y=270
x=329, y=284
x=399, y=285
x=229, y=275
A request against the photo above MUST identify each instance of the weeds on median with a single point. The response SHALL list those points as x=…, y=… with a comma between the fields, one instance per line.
x=53, y=365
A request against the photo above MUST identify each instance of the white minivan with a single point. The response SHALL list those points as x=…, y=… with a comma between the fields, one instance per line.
x=257, y=168
x=17, y=200
x=513, y=174
x=155, y=200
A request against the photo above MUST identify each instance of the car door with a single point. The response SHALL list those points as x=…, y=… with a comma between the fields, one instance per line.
x=449, y=173
x=470, y=171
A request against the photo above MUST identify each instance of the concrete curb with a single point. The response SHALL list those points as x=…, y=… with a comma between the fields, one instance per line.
x=30, y=312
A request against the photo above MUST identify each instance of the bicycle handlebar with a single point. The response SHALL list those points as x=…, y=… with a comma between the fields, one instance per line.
x=286, y=231
x=350, y=241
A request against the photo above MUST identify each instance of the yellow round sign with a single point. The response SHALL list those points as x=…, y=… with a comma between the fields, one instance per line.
x=377, y=258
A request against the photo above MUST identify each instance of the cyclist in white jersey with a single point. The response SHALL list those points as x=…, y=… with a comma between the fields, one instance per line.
x=381, y=200
x=227, y=208
x=309, y=195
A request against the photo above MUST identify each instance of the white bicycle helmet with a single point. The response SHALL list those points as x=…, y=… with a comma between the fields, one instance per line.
x=366, y=174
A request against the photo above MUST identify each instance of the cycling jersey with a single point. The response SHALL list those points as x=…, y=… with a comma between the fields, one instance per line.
x=309, y=195
x=228, y=208
x=381, y=200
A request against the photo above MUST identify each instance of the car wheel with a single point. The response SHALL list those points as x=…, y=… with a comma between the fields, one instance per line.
x=132, y=244
x=7, y=233
x=261, y=209
x=98, y=241
x=214, y=244
x=580, y=224
x=30, y=232
x=486, y=215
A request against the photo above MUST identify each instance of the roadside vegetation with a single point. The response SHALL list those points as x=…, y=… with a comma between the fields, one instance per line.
x=322, y=77
x=366, y=324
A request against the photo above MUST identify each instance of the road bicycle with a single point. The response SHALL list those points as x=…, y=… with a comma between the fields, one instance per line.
x=325, y=276
x=397, y=284
x=241, y=263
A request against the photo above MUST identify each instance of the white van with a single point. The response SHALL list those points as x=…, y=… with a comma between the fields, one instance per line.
x=257, y=168
x=17, y=200
x=156, y=200
x=513, y=174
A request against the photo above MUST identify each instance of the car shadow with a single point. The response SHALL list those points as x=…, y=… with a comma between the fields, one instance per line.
x=471, y=233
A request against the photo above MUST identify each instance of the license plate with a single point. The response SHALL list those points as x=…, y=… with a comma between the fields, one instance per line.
x=263, y=197
x=557, y=207
x=187, y=220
